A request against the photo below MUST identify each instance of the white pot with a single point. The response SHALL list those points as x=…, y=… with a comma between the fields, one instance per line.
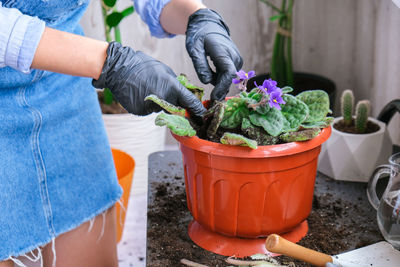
x=353, y=157
x=138, y=136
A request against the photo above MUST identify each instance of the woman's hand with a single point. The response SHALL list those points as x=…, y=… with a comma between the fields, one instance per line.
x=208, y=35
x=131, y=76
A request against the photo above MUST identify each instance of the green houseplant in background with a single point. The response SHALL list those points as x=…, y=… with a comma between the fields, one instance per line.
x=112, y=18
x=281, y=65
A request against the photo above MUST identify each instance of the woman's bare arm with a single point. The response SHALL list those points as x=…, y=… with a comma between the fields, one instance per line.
x=175, y=15
x=71, y=54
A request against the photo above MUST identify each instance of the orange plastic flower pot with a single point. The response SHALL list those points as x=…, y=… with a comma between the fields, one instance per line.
x=124, y=165
x=237, y=194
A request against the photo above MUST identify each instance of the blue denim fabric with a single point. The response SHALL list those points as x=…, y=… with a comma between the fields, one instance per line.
x=56, y=166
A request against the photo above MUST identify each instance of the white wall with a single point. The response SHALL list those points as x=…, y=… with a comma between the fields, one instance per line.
x=356, y=43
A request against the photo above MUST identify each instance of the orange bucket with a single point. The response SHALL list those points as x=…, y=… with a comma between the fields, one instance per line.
x=237, y=195
x=124, y=165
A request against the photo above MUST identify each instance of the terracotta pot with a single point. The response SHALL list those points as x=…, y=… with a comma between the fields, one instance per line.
x=237, y=192
x=124, y=165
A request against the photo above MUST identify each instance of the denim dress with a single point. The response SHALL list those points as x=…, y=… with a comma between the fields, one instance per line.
x=56, y=166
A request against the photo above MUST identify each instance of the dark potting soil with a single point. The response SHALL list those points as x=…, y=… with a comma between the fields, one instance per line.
x=371, y=127
x=341, y=218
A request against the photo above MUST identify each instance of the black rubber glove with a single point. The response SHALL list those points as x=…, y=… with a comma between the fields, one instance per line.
x=131, y=76
x=208, y=35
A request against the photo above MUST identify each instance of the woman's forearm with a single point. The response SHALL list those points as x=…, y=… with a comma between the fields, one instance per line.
x=71, y=54
x=174, y=16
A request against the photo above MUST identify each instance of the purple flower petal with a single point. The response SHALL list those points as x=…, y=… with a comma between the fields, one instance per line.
x=276, y=99
x=241, y=74
x=260, y=87
x=251, y=74
x=236, y=81
x=270, y=85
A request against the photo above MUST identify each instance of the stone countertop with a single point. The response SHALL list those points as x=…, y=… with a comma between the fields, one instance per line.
x=168, y=216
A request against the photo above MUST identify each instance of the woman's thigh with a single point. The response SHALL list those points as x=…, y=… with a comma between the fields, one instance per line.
x=81, y=247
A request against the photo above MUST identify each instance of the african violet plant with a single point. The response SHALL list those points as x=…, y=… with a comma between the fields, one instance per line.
x=265, y=115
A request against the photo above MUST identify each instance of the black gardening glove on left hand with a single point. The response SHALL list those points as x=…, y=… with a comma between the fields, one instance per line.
x=208, y=35
x=132, y=75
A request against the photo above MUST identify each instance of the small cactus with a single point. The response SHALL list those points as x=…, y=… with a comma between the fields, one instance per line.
x=347, y=103
x=362, y=113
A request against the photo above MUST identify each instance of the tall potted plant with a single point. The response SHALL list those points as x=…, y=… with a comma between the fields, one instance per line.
x=250, y=167
x=281, y=66
x=135, y=135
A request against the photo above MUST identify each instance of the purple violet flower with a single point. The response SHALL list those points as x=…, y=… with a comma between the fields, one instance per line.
x=242, y=75
x=269, y=85
x=272, y=92
x=242, y=78
x=275, y=98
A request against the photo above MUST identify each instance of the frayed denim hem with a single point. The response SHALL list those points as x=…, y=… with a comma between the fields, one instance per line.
x=23, y=253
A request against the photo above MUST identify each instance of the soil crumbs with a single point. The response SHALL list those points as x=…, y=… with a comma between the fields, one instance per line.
x=335, y=226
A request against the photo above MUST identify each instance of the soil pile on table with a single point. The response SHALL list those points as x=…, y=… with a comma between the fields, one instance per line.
x=341, y=219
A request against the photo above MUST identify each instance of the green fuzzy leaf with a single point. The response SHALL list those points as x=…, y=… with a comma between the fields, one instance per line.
x=235, y=110
x=250, y=101
x=298, y=136
x=287, y=89
x=177, y=124
x=263, y=109
x=295, y=112
x=237, y=140
x=243, y=94
x=318, y=124
x=255, y=94
x=258, y=134
x=109, y=3
x=167, y=106
x=272, y=122
x=196, y=90
x=318, y=103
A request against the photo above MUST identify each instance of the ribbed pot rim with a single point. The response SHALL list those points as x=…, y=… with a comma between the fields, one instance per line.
x=261, y=151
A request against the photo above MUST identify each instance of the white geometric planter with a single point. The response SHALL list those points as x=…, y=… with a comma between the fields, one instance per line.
x=353, y=157
x=138, y=136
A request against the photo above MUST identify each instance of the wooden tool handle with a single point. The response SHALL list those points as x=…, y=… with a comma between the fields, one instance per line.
x=278, y=244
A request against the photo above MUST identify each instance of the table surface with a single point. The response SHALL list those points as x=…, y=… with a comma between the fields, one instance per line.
x=166, y=179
